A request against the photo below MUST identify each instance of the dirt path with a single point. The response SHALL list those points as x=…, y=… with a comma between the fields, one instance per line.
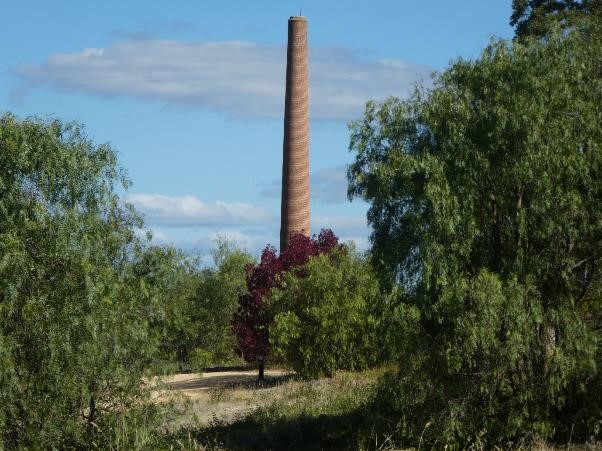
x=191, y=384
x=216, y=396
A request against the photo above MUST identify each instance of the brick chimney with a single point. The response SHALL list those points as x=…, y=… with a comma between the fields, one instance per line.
x=295, y=149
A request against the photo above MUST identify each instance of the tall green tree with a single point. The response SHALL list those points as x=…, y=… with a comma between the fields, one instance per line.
x=174, y=277
x=74, y=312
x=485, y=198
x=216, y=300
x=540, y=17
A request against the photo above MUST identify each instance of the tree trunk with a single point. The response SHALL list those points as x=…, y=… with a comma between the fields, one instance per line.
x=260, y=377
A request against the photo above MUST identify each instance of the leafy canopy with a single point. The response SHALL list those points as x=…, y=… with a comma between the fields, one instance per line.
x=216, y=300
x=325, y=317
x=539, y=18
x=252, y=320
x=75, y=311
x=485, y=197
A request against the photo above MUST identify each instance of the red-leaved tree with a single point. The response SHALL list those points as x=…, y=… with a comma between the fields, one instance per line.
x=251, y=321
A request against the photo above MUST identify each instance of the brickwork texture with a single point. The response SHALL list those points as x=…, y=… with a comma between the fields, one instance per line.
x=295, y=149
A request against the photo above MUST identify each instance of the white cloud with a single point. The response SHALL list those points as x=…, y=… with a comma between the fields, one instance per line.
x=201, y=240
x=234, y=77
x=189, y=211
x=244, y=240
x=159, y=236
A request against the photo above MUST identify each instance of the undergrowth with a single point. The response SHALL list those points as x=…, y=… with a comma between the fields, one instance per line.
x=345, y=412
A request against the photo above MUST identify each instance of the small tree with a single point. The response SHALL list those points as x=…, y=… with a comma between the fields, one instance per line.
x=325, y=316
x=216, y=301
x=251, y=321
x=174, y=276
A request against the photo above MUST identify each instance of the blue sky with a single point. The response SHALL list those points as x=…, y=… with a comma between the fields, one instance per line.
x=191, y=95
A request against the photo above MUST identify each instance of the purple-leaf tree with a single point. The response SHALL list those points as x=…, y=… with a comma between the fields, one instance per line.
x=251, y=321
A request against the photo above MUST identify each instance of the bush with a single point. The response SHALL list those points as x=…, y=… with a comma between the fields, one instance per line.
x=172, y=277
x=324, y=315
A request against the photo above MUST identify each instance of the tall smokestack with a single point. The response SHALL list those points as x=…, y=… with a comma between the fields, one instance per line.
x=295, y=150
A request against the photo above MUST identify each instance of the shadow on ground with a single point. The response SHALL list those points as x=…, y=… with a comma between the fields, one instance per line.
x=301, y=433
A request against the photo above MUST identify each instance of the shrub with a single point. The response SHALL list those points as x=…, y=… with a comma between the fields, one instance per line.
x=199, y=359
x=324, y=315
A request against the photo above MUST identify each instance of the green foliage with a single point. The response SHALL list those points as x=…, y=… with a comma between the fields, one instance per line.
x=485, y=197
x=216, y=300
x=173, y=278
x=539, y=18
x=199, y=359
x=325, y=315
x=74, y=311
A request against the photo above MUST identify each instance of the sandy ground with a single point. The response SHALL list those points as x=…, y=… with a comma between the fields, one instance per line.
x=193, y=384
x=217, y=397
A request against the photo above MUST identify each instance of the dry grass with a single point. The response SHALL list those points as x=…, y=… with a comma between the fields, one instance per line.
x=229, y=411
x=203, y=398
x=285, y=413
